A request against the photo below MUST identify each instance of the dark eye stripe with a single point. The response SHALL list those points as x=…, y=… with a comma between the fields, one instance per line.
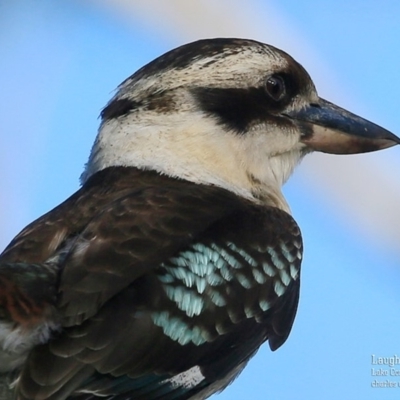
x=117, y=108
x=238, y=109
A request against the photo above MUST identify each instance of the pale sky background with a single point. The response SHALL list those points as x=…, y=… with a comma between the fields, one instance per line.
x=59, y=64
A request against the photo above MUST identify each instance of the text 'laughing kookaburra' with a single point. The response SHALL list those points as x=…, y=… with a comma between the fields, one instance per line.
x=178, y=257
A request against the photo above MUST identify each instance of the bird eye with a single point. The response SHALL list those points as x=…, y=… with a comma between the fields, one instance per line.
x=275, y=87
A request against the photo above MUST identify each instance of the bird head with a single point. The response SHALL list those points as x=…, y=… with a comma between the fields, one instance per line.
x=234, y=113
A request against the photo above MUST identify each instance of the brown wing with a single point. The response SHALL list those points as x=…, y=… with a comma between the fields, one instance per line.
x=130, y=237
x=161, y=281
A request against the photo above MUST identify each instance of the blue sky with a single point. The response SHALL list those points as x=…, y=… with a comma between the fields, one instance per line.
x=61, y=61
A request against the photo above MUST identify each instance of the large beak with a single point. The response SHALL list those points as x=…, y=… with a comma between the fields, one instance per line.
x=328, y=128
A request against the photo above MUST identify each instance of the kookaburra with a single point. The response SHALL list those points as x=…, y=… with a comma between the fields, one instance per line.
x=178, y=257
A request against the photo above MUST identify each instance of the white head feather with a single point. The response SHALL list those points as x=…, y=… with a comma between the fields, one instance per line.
x=168, y=131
